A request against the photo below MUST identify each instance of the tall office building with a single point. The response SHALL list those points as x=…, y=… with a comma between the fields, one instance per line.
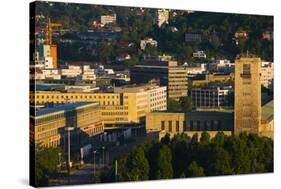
x=247, y=117
x=166, y=71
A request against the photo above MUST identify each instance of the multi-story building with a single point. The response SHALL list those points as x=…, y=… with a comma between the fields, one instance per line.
x=123, y=106
x=212, y=97
x=190, y=122
x=267, y=74
x=247, y=117
x=48, y=125
x=161, y=17
x=203, y=79
x=167, y=72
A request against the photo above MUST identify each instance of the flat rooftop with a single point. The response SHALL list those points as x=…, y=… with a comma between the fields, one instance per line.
x=267, y=111
x=62, y=108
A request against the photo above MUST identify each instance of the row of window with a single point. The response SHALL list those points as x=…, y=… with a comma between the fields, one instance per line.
x=194, y=125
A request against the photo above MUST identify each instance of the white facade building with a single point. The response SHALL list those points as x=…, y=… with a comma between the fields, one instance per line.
x=267, y=74
x=199, y=54
x=150, y=41
x=72, y=71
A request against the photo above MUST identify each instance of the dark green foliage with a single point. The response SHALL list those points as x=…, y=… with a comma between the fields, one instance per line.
x=173, y=105
x=46, y=165
x=164, y=163
x=217, y=31
x=194, y=170
x=183, y=156
x=186, y=103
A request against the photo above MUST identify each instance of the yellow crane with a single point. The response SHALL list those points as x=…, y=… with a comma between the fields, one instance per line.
x=50, y=28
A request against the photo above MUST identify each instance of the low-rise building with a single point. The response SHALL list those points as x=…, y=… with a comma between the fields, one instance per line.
x=108, y=19
x=190, y=123
x=48, y=125
x=147, y=41
x=199, y=54
x=267, y=74
x=193, y=70
x=241, y=34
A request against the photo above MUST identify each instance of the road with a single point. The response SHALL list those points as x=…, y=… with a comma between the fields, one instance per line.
x=85, y=174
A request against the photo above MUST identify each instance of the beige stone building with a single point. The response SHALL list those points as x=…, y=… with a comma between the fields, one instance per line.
x=247, y=117
x=190, y=122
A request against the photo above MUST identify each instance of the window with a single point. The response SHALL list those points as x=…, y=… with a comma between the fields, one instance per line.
x=184, y=125
x=170, y=126
x=191, y=125
x=162, y=125
x=198, y=125
x=177, y=126
x=246, y=69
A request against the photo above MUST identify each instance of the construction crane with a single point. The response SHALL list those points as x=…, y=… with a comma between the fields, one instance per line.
x=50, y=28
x=52, y=52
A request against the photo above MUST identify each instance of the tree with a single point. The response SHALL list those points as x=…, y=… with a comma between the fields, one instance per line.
x=173, y=105
x=104, y=52
x=138, y=166
x=205, y=138
x=186, y=103
x=46, y=162
x=164, y=163
x=194, y=170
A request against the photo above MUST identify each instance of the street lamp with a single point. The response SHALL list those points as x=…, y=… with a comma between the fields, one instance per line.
x=59, y=166
x=103, y=156
x=68, y=129
x=95, y=151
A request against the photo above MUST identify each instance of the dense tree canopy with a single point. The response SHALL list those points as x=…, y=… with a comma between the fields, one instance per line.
x=217, y=31
x=182, y=156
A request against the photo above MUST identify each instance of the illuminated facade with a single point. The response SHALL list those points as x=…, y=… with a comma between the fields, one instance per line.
x=128, y=105
x=48, y=124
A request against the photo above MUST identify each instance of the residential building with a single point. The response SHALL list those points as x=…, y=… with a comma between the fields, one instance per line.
x=199, y=54
x=267, y=35
x=147, y=41
x=241, y=34
x=108, y=19
x=48, y=125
